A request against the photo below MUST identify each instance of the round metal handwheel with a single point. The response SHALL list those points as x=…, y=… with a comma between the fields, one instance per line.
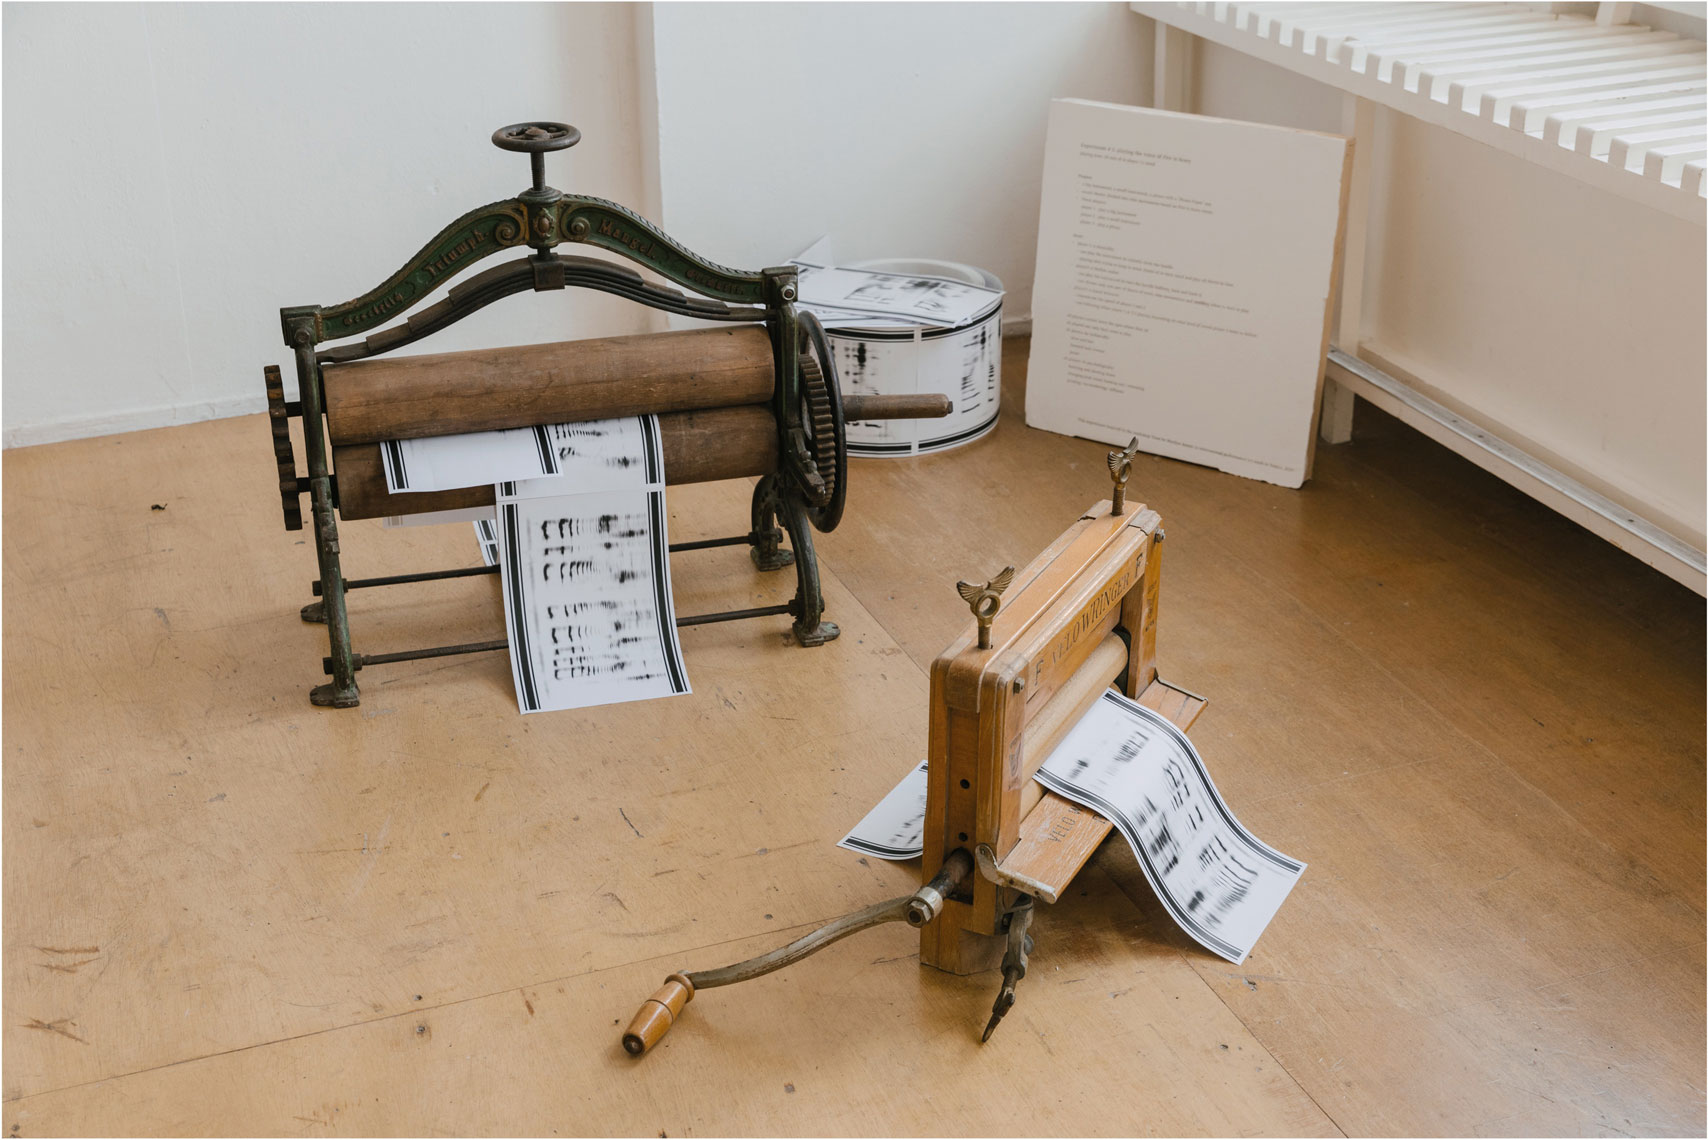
x=827, y=430
x=532, y=138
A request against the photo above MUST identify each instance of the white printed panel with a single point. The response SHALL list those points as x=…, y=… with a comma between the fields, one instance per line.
x=1184, y=269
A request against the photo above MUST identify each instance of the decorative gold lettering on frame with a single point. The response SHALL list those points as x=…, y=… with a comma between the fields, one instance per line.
x=443, y=263
x=378, y=309
x=1093, y=614
x=639, y=243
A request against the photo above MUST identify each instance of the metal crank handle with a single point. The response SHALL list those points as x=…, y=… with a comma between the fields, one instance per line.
x=660, y=1011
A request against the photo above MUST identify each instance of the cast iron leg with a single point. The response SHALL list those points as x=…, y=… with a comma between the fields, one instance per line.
x=767, y=552
x=810, y=626
x=341, y=692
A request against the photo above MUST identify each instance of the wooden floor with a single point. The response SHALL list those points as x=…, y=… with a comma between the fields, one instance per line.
x=227, y=912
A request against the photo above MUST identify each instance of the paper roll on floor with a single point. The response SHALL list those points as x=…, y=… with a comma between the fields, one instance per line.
x=963, y=363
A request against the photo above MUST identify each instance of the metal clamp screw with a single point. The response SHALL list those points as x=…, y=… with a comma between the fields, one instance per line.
x=1121, y=469
x=985, y=600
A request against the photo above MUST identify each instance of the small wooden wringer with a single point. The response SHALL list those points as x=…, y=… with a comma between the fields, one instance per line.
x=1046, y=643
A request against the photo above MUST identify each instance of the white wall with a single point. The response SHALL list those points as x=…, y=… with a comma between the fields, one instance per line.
x=904, y=130
x=176, y=173
x=1562, y=317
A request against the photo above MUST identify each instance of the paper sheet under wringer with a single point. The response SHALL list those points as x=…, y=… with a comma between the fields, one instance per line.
x=580, y=539
x=895, y=829
x=586, y=575
x=1136, y=768
x=905, y=326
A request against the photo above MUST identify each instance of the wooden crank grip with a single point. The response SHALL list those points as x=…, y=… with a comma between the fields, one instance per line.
x=407, y=397
x=657, y=1014
x=699, y=447
x=927, y=406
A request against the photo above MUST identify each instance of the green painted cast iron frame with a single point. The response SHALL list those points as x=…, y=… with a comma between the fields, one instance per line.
x=541, y=219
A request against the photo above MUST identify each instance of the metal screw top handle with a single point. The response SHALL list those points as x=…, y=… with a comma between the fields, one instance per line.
x=985, y=600
x=535, y=139
x=1120, y=470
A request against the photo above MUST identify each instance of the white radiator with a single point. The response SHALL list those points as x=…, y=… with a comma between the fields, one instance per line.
x=1615, y=105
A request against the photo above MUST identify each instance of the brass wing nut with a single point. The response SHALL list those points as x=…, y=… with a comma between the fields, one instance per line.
x=985, y=600
x=1121, y=469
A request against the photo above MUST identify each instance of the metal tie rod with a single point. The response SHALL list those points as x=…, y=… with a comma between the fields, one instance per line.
x=477, y=571
x=362, y=659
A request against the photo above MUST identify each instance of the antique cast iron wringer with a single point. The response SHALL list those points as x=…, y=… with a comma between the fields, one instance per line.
x=759, y=398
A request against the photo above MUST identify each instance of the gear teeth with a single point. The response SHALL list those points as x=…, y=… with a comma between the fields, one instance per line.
x=282, y=453
x=823, y=419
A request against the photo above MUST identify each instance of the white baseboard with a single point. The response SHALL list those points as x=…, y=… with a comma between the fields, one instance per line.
x=1626, y=528
x=168, y=415
x=1016, y=326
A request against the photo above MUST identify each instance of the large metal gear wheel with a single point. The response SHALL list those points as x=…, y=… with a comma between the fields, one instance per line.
x=827, y=431
x=819, y=418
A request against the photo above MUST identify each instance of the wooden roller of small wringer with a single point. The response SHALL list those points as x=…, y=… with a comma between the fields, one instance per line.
x=758, y=398
x=1080, y=618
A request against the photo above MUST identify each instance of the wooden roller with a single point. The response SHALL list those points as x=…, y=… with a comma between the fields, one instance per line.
x=699, y=447
x=408, y=397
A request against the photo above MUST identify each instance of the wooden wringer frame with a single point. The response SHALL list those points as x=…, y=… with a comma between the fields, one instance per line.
x=1047, y=642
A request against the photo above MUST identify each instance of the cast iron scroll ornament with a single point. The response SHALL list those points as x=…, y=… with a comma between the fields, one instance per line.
x=594, y=221
x=477, y=234
x=543, y=218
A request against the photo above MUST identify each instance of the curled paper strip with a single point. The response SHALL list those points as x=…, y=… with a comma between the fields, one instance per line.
x=1137, y=769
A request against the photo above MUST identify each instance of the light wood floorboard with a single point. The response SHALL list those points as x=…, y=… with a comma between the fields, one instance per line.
x=227, y=912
